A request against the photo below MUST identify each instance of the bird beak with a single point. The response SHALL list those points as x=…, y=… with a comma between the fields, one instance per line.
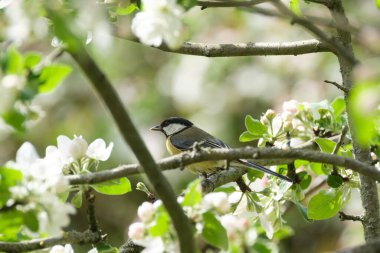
x=156, y=128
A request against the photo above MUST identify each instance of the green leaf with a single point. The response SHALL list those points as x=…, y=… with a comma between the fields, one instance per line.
x=339, y=106
x=103, y=247
x=77, y=199
x=31, y=221
x=247, y=136
x=326, y=145
x=160, y=225
x=364, y=101
x=10, y=224
x=294, y=6
x=377, y=3
x=52, y=75
x=126, y=10
x=193, y=194
x=253, y=174
x=334, y=181
x=327, y=204
x=14, y=61
x=303, y=211
x=31, y=60
x=187, y=4
x=113, y=187
x=8, y=178
x=15, y=119
x=255, y=127
x=305, y=179
x=213, y=232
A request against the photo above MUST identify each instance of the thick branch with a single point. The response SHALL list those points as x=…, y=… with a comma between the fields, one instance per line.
x=130, y=134
x=369, y=247
x=68, y=237
x=368, y=185
x=231, y=154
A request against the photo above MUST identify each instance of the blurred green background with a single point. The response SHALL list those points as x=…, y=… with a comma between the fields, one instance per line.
x=214, y=93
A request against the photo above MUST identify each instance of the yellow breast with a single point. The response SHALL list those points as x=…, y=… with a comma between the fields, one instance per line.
x=201, y=167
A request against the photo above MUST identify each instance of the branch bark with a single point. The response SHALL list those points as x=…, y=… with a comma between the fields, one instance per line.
x=368, y=186
x=241, y=49
x=67, y=237
x=232, y=174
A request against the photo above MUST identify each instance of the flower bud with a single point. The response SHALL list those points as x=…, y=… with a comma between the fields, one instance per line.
x=290, y=106
x=146, y=211
x=136, y=231
x=270, y=114
x=288, y=126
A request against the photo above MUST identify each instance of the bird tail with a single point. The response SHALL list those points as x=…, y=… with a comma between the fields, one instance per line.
x=265, y=170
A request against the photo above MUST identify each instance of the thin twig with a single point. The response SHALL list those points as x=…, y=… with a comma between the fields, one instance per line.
x=339, y=86
x=338, y=145
x=343, y=217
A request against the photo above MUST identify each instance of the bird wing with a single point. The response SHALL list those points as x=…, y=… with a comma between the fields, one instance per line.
x=186, y=139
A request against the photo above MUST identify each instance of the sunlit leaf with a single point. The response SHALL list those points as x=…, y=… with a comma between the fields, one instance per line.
x=31, y=60
x=327, y=203
x=103, y=247
x=377, y=2
x=15, y=119
x=294, y=6
x=51, y=76
x=160, y=225
x=14, y=62
x=113, y=187
x=247, y=136
x=213, y=232
x=121, y=10
x=193, y=194
x=326, y=145
x=339, y=106
x=77, y=199
x=364, y=108
x=255, y=127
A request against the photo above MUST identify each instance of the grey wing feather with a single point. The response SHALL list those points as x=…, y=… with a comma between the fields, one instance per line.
x=186, y=139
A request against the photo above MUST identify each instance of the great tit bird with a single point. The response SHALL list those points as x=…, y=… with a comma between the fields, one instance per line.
x=181, y=135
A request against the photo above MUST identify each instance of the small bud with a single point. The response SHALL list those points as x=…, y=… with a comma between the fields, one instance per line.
x=136, y=231
x=270, y=114
x=290, y=106
x=146, y=211
x=288, y=126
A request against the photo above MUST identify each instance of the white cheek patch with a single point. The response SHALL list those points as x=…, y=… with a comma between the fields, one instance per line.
x=173, y=128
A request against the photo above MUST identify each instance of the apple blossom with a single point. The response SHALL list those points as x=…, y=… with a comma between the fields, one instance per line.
x=62, y=249
x=217, y=200
x=158, y=22
x=136, y=231
x=146, y=211
x=97, y=150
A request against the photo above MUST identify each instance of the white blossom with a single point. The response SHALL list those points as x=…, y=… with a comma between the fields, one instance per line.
x=136, y=231
x=158, y=22
x=62, y=249
x=290, y=106
x=217, y=200
x=13, y=81
x=72, y=149
x=97, y=150
x=146, y=211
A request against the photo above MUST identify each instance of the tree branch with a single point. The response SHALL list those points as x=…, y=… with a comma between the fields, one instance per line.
x=107, y=93
x=230, y=175
x=368, y=185
x=67, y=237
x=130, y=134
x=242, y=49
x=333, y=44
x=369, y=247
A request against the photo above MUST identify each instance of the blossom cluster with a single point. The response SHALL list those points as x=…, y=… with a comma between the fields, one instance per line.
x=43, y=187
x=237, y=214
